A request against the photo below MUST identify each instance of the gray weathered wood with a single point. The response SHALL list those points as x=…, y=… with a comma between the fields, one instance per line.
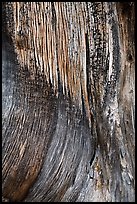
x=68, y=101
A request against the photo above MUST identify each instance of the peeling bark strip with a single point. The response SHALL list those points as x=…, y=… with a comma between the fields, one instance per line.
x=74, y=82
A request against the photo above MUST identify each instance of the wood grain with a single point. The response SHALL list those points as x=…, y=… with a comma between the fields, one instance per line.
x=73, y=87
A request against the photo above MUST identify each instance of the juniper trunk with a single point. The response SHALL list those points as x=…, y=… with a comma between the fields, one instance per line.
x=68, y=101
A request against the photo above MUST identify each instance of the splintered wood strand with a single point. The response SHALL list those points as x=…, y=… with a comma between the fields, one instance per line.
x=65, y=51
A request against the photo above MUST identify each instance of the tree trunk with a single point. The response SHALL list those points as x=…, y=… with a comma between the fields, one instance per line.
x=68, y=101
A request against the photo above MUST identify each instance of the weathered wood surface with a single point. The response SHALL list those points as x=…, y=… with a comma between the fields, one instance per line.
x=68, y=101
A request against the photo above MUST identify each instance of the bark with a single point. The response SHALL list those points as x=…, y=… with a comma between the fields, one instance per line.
x=68, y=101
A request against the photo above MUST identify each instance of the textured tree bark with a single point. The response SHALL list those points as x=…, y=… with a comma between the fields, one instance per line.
x=68, y=99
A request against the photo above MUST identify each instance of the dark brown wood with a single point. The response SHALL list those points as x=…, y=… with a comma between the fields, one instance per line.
x=68, y=101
